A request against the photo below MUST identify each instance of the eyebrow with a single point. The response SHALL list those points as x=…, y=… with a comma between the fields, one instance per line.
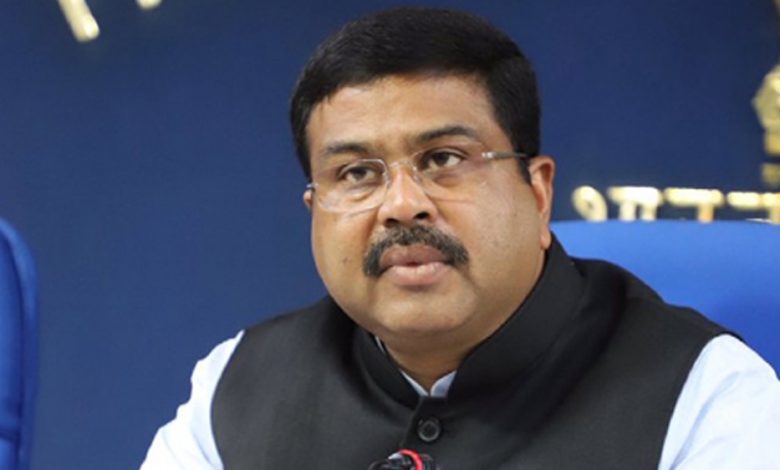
x=446, y=131
x=337, y=148
x=365, y=148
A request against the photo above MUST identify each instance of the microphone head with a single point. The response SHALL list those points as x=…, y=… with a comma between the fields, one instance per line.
x=405, y=459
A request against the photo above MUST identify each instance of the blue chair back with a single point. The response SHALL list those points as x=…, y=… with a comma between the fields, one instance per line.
x=18, y=350
x=729, y=271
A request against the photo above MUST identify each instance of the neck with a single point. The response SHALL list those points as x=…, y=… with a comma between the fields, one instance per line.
x=425, y=368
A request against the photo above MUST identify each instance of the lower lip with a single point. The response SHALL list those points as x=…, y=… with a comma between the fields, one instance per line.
x=416, y=276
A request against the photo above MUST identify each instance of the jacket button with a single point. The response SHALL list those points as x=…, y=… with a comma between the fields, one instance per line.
x=428, y=429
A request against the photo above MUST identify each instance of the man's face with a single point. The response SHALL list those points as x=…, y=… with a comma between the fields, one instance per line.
x=417, y=294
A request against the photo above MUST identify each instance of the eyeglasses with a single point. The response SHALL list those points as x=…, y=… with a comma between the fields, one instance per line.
x=448, y=173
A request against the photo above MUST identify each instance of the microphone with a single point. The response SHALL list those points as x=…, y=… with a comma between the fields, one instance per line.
x=405, y=459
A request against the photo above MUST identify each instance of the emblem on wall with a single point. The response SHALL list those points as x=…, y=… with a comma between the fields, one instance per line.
x=643, y=202
x=767, y=105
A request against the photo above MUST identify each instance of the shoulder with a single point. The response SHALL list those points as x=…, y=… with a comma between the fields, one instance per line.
x=728, y=413
x=312, y=339
x=311, y=317
x=315, y=327
x=649, y=340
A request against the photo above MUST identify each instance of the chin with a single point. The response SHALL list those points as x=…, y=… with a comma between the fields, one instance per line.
x=417, y=320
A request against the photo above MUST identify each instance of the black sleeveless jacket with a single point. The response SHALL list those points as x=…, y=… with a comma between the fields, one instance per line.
x=585, y=375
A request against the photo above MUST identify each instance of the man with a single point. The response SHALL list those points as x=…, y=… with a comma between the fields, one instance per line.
x=457, y=330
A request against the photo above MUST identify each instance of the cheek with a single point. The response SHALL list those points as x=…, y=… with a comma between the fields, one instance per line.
x=508, y=230
x=337, y=246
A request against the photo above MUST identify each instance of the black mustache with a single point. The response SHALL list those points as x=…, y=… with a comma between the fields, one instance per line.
x=453, y=250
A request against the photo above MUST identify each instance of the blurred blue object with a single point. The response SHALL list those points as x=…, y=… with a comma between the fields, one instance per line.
x=18, y=350
x=725, y=270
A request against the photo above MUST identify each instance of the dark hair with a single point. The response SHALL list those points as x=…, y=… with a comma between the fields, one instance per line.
x=412, y=40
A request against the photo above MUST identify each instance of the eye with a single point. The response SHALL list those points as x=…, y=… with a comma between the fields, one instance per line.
x=359, y=173
x=442, y=160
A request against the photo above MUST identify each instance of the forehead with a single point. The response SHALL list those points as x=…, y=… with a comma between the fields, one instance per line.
x=393, y=112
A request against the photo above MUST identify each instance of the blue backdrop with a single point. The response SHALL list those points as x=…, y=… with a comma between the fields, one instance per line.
x=153, y=175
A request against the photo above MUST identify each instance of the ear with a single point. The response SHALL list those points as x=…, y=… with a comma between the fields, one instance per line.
x=307, y=199
x=542, y=170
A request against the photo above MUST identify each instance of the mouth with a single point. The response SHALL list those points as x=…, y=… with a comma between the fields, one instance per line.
x=414, y=265
x=414, y=255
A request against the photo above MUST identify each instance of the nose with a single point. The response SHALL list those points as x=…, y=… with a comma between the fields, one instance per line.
x=406, y=202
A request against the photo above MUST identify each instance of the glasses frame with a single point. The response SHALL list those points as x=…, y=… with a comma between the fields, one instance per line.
x=491, y=155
